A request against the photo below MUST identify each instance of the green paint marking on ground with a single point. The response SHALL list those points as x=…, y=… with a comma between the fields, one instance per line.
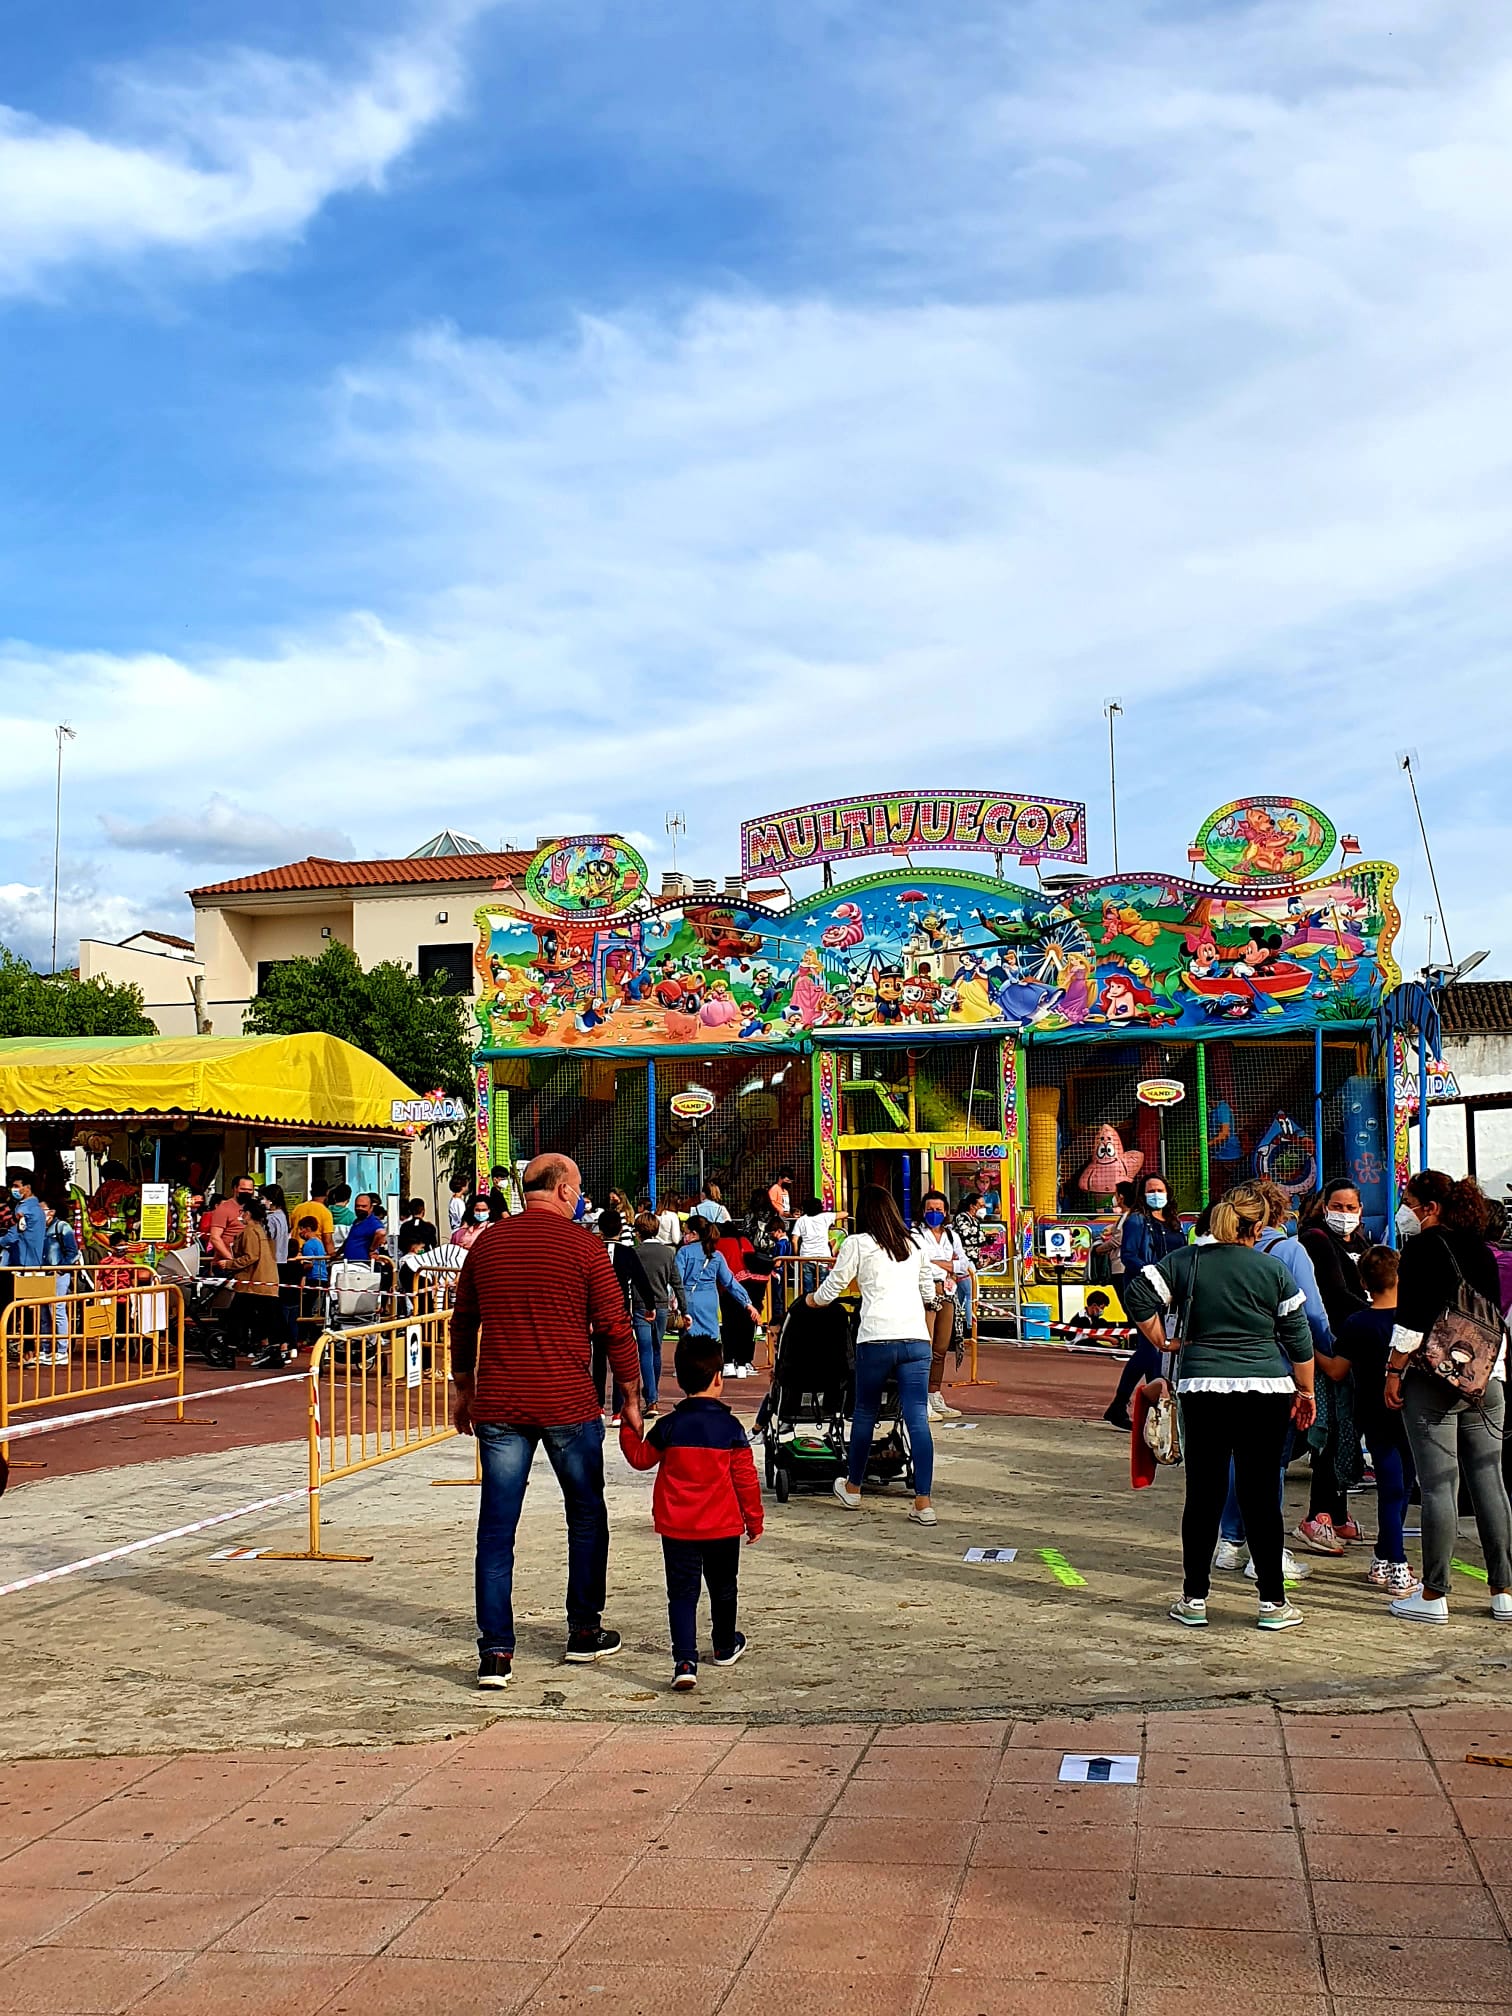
x=1061, y=1568
x=1475, y=1574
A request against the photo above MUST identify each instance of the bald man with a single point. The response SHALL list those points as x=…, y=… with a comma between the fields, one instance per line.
x=535, y=1291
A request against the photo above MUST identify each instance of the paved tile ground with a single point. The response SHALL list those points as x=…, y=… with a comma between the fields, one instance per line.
x=1268, y=1864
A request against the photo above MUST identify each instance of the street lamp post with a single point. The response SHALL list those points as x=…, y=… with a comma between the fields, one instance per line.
x=64, y=734
x=1113, y=708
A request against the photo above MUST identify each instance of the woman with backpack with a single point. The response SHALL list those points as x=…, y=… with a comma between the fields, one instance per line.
x=1449, y=1434
x=1151, y=1230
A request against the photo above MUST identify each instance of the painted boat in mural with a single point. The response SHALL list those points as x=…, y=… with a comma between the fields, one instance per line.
x=1281, y=982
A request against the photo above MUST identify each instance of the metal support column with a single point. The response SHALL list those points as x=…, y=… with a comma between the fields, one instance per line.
x=1422, y=1099
x=1318, y=1103
x=651, y=1129
x=1203, y=1171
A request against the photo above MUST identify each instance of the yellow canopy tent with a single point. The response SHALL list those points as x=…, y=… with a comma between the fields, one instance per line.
x=294, y=1081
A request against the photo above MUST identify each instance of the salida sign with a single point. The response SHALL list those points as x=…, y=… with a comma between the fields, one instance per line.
x=960, y=822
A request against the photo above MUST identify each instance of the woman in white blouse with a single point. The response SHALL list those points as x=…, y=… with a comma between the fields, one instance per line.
x=897, y=1284
x=938, y=1240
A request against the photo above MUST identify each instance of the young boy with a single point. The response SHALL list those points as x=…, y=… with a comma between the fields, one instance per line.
x=706, y=1496
x=1094, y=1316
x=1363, y=1347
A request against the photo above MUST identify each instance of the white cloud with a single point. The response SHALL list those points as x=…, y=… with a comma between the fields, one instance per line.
x=225, y=831
x=1189, y=383
x=84, y=910
x=218, y=156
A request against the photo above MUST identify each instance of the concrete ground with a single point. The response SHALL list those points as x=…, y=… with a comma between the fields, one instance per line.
x=1265, y=1864
x=849, y=1615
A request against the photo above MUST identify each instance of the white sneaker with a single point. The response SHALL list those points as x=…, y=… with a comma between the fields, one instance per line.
x=1420, y=1609
x=1292, y=1570
x=851, y=1500
x=729, y=1370
x=744, y=1372
x=1501, y=1609
x=1227, y=1555
x=935, y=1408
x=945, y=1412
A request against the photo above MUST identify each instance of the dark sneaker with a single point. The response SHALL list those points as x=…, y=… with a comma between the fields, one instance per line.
x=735, y=1652
x=685, y=1676
x=494, y=1669
x=1118, y=1417
x=583, y=1647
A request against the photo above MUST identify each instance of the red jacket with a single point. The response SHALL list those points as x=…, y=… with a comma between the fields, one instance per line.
x=706, y=1486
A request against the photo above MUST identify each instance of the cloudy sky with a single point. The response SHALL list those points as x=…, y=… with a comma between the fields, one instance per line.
x=539, y=417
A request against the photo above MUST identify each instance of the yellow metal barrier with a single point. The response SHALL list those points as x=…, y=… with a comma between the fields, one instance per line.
x=73, y=1346
x=376, y=1393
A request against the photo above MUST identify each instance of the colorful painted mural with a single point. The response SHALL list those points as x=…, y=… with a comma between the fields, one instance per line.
x=940, y=949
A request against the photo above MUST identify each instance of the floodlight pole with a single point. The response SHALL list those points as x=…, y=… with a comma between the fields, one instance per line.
x=1406, y=762
x=1112, y=709
x=63, y=733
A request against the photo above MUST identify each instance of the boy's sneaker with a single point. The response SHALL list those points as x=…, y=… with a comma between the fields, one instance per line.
x=1292, y=1570
x=735, y=1652
x=1350, y=1532
x=1378, y=1574
x=1227, y=1555
x=685, y=1676
x=1401, y=1581
x=729, y=1370
x=1119, y=1418
x=1278, y=1616
x=1319, y=1535
x=1420, y=1609
x=583, y=1647
x=1190, y=1610
x=1501, y=1608
x=495, y=1668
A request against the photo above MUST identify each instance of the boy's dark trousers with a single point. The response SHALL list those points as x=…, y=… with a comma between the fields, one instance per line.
x=690, y=1562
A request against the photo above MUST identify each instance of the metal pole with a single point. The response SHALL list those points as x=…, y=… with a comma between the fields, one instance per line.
x=62, y=731
x=651, y=1129
x=1318, y=1102
x=1392, y=1198
x=1203, y=1170
x=1406, y=762
x=1112, y=709
x=1423, y=1099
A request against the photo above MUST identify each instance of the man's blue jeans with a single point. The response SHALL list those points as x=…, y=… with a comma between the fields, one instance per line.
x=908, y=1357
x=649, y=1332
x=576, y=1454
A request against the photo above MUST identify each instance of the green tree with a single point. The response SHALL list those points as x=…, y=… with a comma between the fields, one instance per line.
x=61, y=1004
x=413, y=1026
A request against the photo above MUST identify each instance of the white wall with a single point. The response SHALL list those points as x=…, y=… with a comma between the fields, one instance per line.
x=167, y=999
x=1481, y=1064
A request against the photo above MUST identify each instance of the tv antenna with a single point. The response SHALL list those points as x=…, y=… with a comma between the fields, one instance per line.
x=675, y=823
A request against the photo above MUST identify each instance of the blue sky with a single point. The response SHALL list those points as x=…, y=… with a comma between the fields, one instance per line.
x=535, y=418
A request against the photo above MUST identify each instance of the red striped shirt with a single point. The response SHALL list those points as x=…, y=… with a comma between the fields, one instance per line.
x=533, y=1291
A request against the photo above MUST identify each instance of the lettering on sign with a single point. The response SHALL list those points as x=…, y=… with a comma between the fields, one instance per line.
x=427, y=1112
x=956, y=822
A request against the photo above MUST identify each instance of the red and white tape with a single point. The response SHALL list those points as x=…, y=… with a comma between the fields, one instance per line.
x=14, y=1432
x=157, y=1540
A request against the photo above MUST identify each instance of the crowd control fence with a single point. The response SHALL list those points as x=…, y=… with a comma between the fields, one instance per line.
x=377, y=1391
x=80, y=1344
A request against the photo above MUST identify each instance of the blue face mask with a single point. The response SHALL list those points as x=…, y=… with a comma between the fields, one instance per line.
x=580, y=1209
x=934, y=1218
x=1156, y=1200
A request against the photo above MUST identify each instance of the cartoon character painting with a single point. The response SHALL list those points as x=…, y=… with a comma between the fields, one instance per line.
x=1111, y=1164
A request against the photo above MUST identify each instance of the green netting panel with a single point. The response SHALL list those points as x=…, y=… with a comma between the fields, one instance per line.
x=1097, y=1084
x=762, y=1120
x=1261, y=1112
x=937, y=1084
x=591, y=1109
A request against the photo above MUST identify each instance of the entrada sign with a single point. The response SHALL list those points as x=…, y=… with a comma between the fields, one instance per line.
x=957, y=822
x=427, y=1112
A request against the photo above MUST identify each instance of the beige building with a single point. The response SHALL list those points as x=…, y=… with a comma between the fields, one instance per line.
x=418, y=910
x=163, y=966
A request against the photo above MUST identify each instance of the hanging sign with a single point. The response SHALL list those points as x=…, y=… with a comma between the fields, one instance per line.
x=597, y=875
x=154, y=1221
x=421, y=1113
x=950, y=822
x=696, y=1103
x=1160, y=1092
x=412, y=1349
x=1265, y=840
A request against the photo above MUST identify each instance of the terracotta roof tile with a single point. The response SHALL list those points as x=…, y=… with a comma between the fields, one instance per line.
x=316, y=872
x=1477, y=1007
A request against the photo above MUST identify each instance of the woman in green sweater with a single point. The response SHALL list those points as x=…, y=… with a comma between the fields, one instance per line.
x=1245, y=1372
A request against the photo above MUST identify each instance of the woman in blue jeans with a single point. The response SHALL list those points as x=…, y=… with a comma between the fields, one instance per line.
x=897, y=1285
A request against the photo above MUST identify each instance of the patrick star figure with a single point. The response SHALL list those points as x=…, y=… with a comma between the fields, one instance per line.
x=1111, y=1164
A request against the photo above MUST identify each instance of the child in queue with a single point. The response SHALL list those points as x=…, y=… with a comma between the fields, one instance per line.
x=706, y=1497
x=1363, y=1347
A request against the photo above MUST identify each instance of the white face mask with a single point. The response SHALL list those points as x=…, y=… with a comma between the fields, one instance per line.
x=1342, y=1222
x=1155, y=1199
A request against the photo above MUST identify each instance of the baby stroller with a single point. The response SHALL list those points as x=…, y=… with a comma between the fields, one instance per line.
x=209, y=1300
x=805, y=1416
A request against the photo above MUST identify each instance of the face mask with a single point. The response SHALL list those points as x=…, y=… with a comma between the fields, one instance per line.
x=934, y=1218
x=1417, y=1222
x=1156, y=1199
x=1342, y=1222
x=580, y=1209
x=480, y=1217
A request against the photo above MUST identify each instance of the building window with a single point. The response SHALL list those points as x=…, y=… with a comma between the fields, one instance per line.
x=454, y=964
x=264, y=968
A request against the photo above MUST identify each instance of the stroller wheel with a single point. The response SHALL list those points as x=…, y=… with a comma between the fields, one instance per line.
x=782, y=1486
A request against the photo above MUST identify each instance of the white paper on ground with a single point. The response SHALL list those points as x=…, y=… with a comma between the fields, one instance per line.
x=1076, y=1770
x=990, y=1554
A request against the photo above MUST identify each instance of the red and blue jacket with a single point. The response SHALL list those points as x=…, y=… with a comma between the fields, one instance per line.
x=706, y=1486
